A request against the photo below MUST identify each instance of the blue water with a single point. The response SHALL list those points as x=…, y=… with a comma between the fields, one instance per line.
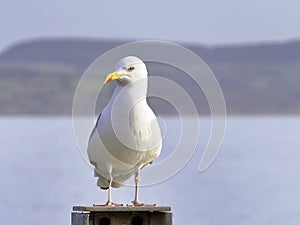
x=254, y=180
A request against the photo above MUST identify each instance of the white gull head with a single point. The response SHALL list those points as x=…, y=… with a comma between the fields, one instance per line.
x=128, y=70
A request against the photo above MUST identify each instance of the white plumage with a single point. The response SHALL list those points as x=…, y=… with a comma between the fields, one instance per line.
x=127, y=135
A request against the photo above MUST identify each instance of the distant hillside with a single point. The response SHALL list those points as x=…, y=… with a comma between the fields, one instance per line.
x=80, y=53
x=40, y=76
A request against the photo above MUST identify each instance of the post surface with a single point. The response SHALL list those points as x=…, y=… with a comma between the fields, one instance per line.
x=124, y=215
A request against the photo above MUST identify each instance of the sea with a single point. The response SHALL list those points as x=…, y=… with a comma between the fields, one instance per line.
x=254, y=180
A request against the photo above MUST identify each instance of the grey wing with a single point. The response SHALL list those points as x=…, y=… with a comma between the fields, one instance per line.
x=95, y=127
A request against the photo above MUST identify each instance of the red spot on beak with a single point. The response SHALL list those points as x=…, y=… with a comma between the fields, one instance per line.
x=109, y=80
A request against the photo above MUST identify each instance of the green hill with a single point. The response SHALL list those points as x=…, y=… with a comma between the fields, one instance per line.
x=40, y=76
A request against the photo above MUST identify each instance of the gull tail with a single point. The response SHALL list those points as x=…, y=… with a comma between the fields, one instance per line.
x=103, y=183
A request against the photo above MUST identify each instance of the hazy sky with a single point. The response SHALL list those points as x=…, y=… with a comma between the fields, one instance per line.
x=201, y=21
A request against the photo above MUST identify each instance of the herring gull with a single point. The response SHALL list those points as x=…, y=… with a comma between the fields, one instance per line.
x=126, y=136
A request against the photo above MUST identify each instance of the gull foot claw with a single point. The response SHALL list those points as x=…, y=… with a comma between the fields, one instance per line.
x=109, y=204
x=140, y=204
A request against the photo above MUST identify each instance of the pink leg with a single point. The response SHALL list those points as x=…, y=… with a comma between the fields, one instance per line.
x=136, y=202
x=109, y=202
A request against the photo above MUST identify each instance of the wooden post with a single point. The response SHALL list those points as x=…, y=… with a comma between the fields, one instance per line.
x=123, y=215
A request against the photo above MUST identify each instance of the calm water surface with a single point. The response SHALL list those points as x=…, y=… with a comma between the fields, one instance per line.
x=255, y=179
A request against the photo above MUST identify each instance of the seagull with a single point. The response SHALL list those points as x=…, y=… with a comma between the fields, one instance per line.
x=127, y=135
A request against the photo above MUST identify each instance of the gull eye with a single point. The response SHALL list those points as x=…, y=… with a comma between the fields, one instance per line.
x=129, y=69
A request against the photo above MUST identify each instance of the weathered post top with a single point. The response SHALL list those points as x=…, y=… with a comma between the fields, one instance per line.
x=122, y=215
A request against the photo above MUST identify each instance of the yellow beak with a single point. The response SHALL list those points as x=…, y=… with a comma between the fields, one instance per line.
x=112, y=76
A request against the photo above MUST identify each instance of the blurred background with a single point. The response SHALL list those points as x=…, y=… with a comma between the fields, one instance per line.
x=253, y=48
